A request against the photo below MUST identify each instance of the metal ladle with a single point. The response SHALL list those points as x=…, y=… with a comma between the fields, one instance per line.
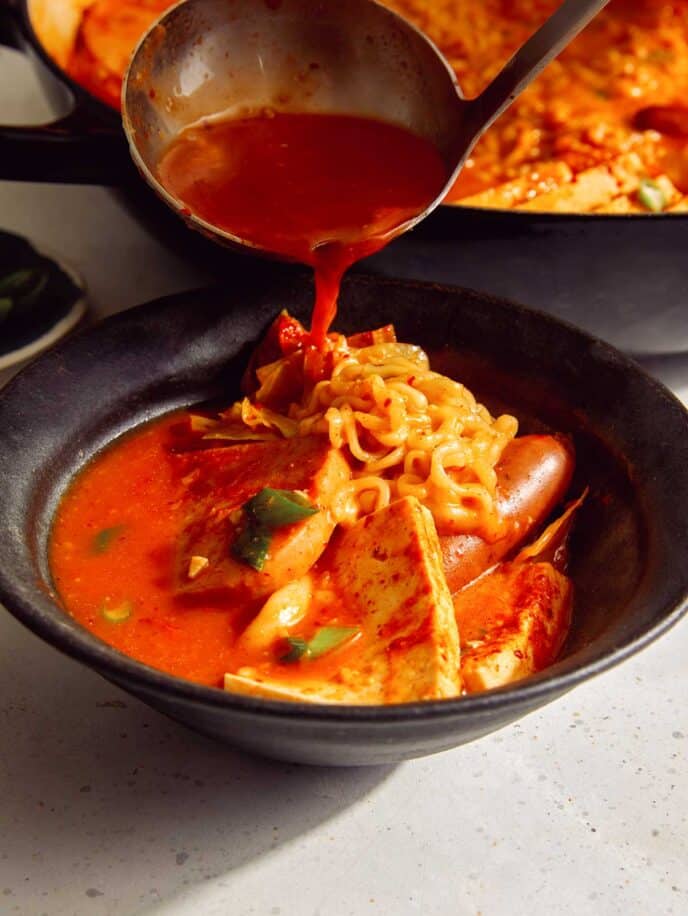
x=240, y=57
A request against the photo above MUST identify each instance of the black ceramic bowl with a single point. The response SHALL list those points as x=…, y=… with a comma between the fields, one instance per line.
x=629, y=554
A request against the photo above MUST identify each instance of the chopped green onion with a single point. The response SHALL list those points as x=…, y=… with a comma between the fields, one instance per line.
x=102, y=541
x=267, y=510
x=297, y=649
x=275, y=508
x=325, y=640
x=651, y=196
x=329, y=638
x=117, y=614
x=252, y=546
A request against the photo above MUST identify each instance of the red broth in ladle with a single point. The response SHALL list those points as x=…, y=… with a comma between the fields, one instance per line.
x=323, y=189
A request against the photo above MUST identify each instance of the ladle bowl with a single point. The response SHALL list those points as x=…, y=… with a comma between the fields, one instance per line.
x=236, y=58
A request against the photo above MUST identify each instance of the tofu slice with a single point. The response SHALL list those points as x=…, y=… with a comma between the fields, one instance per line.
x=389, y=568
x=218, y=481
x=513, y=622
x=305, y=691
x=390, y=565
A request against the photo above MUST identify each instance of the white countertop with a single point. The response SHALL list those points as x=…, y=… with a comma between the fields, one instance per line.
x=109, y=808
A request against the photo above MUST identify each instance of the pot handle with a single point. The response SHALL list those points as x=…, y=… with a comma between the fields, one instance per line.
x=9, y=28
x=74, y=149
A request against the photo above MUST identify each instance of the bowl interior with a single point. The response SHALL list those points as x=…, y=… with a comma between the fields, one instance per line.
x=631, y=435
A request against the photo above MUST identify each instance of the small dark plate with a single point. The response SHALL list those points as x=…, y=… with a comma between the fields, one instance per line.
x=49, y=302
x=629, y=555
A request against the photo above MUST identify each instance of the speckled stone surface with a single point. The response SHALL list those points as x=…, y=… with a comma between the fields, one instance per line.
x=109, y=809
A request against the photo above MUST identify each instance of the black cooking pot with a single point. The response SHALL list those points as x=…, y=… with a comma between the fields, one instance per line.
x=623, y=277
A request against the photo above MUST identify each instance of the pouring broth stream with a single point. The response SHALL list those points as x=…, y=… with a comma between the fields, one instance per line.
x=322, y=189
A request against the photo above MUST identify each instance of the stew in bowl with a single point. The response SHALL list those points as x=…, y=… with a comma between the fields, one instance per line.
x=74, y=405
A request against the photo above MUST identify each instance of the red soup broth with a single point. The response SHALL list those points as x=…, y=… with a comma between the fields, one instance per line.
x=323, y=189
x=113, y=541
x=113, y=547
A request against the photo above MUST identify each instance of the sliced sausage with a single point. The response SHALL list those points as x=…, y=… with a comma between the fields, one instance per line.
x=533, y=476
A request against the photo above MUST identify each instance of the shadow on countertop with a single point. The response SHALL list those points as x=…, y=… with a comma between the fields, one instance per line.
x=113, y=808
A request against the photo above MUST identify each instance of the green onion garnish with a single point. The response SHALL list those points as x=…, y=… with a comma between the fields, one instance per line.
x=117, y=614
x=102, y=541
x=297, y=649
x=275, y=508
x=252, y=546
x=267, y=510
x=329, y=638
x=324, y=641
x=651, y=196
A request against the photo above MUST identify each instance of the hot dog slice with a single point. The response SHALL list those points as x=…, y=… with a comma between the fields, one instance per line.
x=533, y=476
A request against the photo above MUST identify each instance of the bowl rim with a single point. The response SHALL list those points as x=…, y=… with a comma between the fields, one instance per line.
x=44, y=616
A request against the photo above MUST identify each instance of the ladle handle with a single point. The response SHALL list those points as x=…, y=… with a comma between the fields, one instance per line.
x=529, y=61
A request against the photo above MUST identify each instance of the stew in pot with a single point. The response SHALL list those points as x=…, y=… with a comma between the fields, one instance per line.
x=603, y=129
